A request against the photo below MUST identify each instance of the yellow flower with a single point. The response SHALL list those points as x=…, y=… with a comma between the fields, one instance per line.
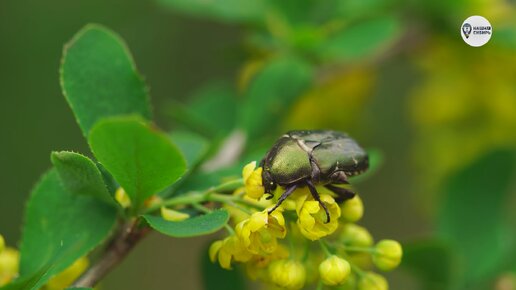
x=257, y=266
x=228, y=250
x=259, y=233
x=2, y=244
x=312, y=220
x=372, y=281
x=352, y=209
x=253, y=180
x=68, y=276
x=334, y=270
x=122, y=198
x=287, y=274
x=387, y=255
x=173, y=215
x=9, y=263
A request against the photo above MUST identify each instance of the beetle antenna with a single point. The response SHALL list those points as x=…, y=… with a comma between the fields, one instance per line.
x=343, y=194
x=283, y=196
x=316, y=196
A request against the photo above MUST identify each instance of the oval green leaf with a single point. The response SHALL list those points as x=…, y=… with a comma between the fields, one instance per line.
x=142, y=159
x=361, y=40
x=80, y=175
x=472, y=217
x=99, y=78
x=60, y=227
x=192, y=227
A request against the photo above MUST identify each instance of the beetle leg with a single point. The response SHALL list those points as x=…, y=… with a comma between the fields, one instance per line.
x=343, y=194
x=270, y=195
x=283, y=196
x=339, y=177
x=316, y=196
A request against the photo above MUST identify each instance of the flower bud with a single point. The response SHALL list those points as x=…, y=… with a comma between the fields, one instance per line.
x=387, y=255
x=9, y=262
x=334, y=270
x=356, y=236
x=287, y=274
x=122, y=198
x=2, y=244
x=352, y=210
x=173, y=215
x=372, y=281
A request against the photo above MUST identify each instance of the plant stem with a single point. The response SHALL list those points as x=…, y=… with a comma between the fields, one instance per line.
x=370, y=250
x=130, y=233
x=118, y=248
x=197, y=197
x=325, y=249
x=357, y=270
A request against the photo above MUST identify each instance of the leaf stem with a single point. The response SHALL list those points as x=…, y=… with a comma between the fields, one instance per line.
x=370, y=250
x=198, y=197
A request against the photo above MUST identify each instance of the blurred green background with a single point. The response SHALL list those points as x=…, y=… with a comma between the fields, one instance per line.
x=395, y=75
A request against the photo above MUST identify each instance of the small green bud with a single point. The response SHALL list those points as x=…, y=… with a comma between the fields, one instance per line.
x=387, y=255
x=334, y=270
x=122, y=198
x=173, y=215
x=372, y=281
x=287, y=274
x=352, y=210
x=357, y=236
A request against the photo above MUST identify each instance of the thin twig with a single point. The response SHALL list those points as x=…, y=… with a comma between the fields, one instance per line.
x=118, y=248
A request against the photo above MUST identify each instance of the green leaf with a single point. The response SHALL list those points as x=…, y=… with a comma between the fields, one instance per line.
x=216, y=278
x=432, y=262
x=472, y=217
x=80, y=175
x=193, y=146
x=79, y=288
x=271, y=94
x=142, y=159
x=361, y=40
x=99, y=78
x=224, y=10
x=195, y=226
x=60, y=227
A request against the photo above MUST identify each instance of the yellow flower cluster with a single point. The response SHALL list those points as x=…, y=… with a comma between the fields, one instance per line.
x=279, y=247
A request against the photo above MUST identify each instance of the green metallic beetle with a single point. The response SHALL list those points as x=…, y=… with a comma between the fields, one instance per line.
x=309, y=158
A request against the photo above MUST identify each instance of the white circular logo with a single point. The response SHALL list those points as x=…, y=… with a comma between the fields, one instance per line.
x=476, y=31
